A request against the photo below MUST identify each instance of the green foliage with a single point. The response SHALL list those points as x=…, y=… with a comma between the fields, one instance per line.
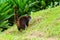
x=1, y=1
x=5, y=13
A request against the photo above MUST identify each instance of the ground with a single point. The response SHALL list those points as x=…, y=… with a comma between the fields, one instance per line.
x=44, y=25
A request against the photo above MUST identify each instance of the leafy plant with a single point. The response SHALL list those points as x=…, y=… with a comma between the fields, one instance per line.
x=5, y=13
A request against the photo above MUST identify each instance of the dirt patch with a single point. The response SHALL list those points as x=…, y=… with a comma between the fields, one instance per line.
x=41, y=35
x=52, y=38
x=36, y=34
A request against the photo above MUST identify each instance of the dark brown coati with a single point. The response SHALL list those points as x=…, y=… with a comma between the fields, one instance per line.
x=21, y=22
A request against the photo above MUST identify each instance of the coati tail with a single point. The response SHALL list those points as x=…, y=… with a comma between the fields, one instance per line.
x=16, y=17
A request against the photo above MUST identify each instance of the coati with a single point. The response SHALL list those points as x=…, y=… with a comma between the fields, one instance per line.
x=21, y=22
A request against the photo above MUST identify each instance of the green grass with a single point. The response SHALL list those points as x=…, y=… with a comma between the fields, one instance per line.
x=45, y=25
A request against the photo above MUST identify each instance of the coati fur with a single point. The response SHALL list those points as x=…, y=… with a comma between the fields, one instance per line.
x=22, y=21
